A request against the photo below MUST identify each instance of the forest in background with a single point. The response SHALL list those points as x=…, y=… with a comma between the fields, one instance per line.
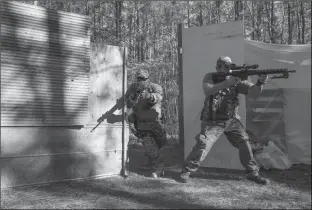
x=149, y=30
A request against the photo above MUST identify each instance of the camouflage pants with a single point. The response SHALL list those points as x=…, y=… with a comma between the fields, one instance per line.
x=153, y=139
x=210, y=133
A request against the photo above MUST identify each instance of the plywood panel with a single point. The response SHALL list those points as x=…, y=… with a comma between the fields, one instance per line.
x=202, y=46
x=32, y=170
x=105, y=80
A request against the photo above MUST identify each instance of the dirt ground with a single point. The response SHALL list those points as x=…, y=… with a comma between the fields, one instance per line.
x=208, y=189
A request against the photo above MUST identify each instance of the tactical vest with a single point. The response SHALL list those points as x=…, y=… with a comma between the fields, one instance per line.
x=144, y=110
x=221, y=106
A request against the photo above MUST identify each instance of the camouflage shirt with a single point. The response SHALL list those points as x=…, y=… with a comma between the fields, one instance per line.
x=225, y=103
x=146, y=109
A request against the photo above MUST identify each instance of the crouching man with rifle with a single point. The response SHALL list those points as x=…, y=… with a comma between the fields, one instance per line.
x=145, y=97
x=220, y=115
x=145, y=100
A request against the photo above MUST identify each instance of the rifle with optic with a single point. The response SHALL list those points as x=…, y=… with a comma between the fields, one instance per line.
x=245, y=71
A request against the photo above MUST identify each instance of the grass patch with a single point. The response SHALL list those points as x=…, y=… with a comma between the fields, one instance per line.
x=212, y=189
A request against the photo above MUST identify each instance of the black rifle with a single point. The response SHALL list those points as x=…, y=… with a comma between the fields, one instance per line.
x=110, y=112
x=245, y=72
x=119, y=104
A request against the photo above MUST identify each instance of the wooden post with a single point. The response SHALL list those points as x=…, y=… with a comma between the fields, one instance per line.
x=180, y=70
x=124, y=85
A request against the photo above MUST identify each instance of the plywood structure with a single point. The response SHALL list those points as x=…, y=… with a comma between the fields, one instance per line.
x=283, y=112
x=201, y=47
x=76, y=90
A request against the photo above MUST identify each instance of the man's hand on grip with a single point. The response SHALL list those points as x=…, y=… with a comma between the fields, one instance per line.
x=263, y=78
x=145, y=95
x=232, y=81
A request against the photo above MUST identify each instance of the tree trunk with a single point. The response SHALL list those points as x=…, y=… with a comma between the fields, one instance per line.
x=218, y=4
x=267, y=9
x=253, y=20
x=118, y=9
x=94, y=29
x=188, y=14
x=235, y=10
x=272, y=23
x=289, y=23
x=142, y=48
x=147, y=37
x=213, y=15
x=143, y=35
x=238, y=10
x=302, y=21
x=200, y=17
x=209, y=11
x=130, y=35
x=137, y=32
x=298, y=25
x=268, y=20
x=259, y=11
x=87, y=9
x=154, y=41
x=283, y=22
x=116, y=20
x=120, y=21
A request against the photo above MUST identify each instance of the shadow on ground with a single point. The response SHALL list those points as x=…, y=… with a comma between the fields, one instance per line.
x=131, y=191
x=298, y=176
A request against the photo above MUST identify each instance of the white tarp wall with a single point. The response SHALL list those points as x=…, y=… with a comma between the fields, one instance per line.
x=202, y=46
x=296, y=91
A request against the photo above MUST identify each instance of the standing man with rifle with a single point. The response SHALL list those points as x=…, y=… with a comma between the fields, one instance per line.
x=219, y=115
x=145, y=97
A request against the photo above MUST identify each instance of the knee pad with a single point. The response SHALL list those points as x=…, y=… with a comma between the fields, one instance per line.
x=151, y=148
x=201, y=139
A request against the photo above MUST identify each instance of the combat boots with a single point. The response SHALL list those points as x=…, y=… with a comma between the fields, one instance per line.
x=255, y=177
x=184, y=176
x=157, y=171
x=157, y=166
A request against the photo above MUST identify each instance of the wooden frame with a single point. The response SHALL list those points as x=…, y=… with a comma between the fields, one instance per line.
x=180, y=82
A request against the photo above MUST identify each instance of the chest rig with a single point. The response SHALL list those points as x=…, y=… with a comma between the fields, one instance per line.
x=221, y=106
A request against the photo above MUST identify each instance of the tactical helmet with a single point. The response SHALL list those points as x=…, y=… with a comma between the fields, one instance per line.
x=142, y=74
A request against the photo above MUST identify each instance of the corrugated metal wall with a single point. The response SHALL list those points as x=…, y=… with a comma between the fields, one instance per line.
x=47, y=80
x=32, y=155
x=45, y=62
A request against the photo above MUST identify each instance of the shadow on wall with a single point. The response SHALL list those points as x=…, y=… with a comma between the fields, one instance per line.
x=45, y=141
x=21, y=49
